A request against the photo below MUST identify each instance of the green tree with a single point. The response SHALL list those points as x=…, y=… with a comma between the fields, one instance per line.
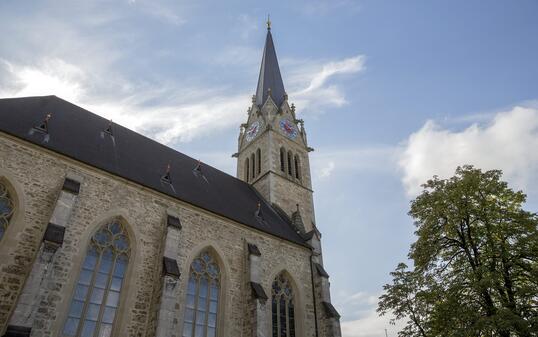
x=475, y=261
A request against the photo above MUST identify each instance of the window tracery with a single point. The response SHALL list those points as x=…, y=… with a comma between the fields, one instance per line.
x=201, y=305
x=97, y=293
x=282, y=307
x=6, y=209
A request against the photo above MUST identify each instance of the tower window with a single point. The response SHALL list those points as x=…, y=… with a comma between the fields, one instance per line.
x=247, y=170
x=297, y=167
x=290, y=166
x=282, y=159
x=259, y=155
x=253, y=165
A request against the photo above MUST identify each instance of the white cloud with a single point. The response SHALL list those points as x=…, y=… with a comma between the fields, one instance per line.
x=96, y=63
x=53, y=75
x=326, y=161
x=359, y=316
x=172, y=119
x=371, y=325
x=309, y=82
x=327, y=170
x=508, y=142
x=168, y=118
x=163, y=13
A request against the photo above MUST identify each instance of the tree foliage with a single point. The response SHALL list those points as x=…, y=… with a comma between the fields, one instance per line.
x=475, y=261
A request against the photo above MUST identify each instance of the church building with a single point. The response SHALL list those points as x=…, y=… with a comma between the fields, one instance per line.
x=105, y=232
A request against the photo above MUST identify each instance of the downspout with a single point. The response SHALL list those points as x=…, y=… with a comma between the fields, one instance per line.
x=314, y=292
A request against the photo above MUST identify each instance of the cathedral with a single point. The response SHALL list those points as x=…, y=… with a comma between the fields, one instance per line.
x=105, y=232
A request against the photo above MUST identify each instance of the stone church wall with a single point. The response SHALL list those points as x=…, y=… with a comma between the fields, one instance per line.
x=37, y=176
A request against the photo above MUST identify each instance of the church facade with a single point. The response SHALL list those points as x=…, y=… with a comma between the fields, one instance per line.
x=104, y=232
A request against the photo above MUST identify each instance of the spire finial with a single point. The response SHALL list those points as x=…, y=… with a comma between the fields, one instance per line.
x=268, y=22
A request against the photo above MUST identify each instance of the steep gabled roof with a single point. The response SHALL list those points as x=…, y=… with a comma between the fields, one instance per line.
x=81, y=135
x=270, y=77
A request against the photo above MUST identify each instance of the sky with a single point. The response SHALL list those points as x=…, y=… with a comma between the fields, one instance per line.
x=392, y=93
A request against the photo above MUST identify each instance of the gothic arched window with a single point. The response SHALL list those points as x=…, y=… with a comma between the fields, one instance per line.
x=97, y=294
x=283, y=310
x=202, y=302
x=253, y=165
x=297, y=167
x=247, y=170
x=282, y=159
x=290, y=166
x=259, y=155
x=6, y=209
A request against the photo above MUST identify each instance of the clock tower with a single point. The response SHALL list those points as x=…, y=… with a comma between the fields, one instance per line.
x=273, y=150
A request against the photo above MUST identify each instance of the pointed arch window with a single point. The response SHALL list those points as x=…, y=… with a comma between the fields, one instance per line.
x=259, y=166
x=297, y=167
x=253, y=165
x=202, y=297
x=97, y=293
x=282, y=307
x=6, y=209
x=247, y=170
x=282, y=160
x=290, y=166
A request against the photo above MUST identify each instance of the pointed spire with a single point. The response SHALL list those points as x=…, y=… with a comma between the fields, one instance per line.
x=270, y=82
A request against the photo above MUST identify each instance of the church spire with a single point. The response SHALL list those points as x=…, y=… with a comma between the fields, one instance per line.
x=270, y=81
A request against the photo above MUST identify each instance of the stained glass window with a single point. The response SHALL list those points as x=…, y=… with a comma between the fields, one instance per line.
x=97, y=292
x=201, y=305
x=6, y=209
x=282, y=306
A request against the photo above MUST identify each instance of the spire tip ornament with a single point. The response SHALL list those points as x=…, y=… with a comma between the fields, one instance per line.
x=268, y=22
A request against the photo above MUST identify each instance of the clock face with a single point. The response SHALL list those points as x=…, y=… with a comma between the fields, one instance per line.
x=288, y=128
x=253, y=130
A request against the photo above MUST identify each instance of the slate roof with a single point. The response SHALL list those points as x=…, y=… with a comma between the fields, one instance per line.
x=270, y=77
x=80, y=135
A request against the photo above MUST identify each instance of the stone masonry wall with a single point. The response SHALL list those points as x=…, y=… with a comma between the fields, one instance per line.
x=37, y=176
x=288, y=192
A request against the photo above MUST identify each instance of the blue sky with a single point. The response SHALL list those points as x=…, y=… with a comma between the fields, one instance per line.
x=392, y=92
